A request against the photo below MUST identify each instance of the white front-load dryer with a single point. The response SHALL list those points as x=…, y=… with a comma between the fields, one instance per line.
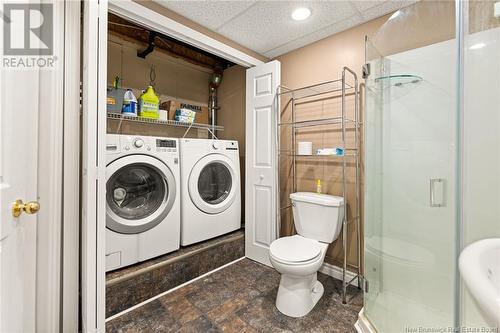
x=211, y=191
x=142, y=198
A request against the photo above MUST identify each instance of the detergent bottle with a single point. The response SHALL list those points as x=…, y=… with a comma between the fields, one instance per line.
x=129, y=104
x=149, y=104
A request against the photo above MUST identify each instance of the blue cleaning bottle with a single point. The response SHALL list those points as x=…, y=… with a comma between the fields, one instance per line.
x=129, y=104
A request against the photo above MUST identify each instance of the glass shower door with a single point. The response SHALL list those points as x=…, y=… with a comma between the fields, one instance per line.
x=373, y=180
x=410, y=163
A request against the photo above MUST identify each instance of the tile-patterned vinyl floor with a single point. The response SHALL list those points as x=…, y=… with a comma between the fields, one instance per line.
x=239, y=298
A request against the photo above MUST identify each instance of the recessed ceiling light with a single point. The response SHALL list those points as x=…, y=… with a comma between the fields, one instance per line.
x=301, y=14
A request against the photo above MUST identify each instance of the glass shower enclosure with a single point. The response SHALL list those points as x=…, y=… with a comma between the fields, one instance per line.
x=421, y=140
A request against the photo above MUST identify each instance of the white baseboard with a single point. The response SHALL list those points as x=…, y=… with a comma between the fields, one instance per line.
x=336, y=272
x=363, y=325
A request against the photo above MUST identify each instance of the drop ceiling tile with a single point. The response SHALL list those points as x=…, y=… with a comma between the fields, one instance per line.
x=211, y=14
x=406, y=3
x=315, y=36
x=381, y=10
x=268, y=24
x=362, y=5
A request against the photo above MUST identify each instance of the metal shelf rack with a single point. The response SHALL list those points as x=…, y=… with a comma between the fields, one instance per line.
x=121, y=117
x=323, y=91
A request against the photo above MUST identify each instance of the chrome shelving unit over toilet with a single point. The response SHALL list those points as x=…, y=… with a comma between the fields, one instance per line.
x=329, y=90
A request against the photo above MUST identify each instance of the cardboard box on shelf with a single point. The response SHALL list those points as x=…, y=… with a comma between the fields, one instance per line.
x=201, y=111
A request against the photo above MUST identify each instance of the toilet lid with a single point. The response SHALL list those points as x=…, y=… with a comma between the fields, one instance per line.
x=295, y=249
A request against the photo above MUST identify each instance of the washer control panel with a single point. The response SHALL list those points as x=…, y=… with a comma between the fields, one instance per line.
x=166, y=145
x=138, y=143
x=131, y=144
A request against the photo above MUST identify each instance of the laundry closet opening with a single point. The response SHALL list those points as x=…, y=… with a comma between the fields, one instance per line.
x=175, y=156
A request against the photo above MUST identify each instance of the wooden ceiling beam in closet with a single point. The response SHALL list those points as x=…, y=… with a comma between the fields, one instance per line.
x=137, y=34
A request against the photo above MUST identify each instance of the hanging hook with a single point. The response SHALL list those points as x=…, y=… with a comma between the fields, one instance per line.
x=152, y=75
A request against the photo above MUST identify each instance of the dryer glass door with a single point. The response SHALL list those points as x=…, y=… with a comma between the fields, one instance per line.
x=140, y=192
x=214, y=183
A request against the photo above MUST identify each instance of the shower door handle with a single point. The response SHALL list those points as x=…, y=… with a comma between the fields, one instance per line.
x=433, y=189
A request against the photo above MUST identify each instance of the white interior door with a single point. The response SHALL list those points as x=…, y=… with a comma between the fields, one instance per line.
x=33, y=112
x=262, y=108
x=19, y=100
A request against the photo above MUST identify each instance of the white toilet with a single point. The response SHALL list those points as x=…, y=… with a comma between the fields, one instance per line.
x=318, y=220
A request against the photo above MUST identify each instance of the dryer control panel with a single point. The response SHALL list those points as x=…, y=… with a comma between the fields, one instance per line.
x=231, y=145
x=219, y=145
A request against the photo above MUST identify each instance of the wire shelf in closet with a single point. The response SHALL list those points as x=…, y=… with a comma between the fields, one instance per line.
x=174, y=123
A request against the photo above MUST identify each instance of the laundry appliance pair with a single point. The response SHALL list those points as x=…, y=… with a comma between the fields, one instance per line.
x=162, y=193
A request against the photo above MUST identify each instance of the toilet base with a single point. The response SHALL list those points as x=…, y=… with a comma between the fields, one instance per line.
x=297, y=295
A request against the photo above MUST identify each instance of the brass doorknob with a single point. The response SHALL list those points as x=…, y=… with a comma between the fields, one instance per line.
x=18, y=207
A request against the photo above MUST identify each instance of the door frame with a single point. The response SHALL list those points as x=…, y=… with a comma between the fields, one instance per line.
x=58, y=221
x=93, y=186
x=93, y=209
x=70, y=232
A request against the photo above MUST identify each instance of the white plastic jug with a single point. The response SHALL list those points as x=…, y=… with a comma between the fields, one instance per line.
x=129, y=104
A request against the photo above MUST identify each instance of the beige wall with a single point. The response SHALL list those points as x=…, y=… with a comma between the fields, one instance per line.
x=423, y=23
x=318, y=62
x=481, y=16
x=232, y=114
x=175, y=79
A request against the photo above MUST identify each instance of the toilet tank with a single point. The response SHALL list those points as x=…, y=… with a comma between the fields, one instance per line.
x=317, y=216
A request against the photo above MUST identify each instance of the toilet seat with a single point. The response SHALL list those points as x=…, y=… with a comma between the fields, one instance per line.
x=295, y=250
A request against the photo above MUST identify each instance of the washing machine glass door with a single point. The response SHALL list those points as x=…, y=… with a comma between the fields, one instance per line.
x=140, y=192
x=213, y=183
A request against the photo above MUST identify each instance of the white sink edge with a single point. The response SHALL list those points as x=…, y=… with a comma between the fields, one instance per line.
x=488, y=303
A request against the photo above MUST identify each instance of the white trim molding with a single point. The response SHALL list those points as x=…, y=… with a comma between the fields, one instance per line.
x=93, y=229
x=363, y=325
x=71, y=183
x=336, y=272
x=150, y=19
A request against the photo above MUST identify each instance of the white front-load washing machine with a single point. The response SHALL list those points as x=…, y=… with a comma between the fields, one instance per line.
x=211, y=191
x=142, y=198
